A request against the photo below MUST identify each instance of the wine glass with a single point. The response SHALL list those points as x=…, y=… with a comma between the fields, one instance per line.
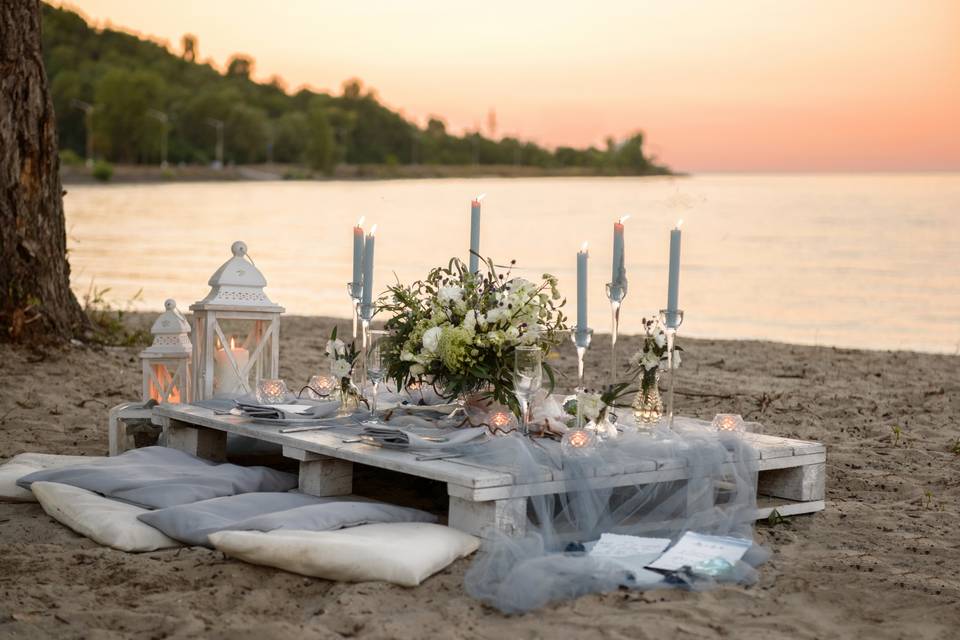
x=376, y=364
x=527, y=379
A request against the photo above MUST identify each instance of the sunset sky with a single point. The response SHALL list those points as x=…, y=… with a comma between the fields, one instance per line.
x=737, y=85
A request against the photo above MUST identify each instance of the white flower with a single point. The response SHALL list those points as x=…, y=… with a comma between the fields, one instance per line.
x=450, y=294
x=660, y=339
x=336, y=348
x=470, y=321
x=431, y=339
x=513, y=333
x=649, y=360
x=406, y=356
x=417, y=370
x=340, y=368
x=590, y=405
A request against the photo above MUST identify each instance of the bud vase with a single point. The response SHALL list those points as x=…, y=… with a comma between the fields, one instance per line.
x=648, y=406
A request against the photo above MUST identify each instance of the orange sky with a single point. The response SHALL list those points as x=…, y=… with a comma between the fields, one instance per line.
x=718, y=85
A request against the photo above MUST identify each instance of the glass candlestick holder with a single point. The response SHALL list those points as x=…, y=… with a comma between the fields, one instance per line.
x=671, y=319
x=581, y=339
x=616, y=292
x=354, y=290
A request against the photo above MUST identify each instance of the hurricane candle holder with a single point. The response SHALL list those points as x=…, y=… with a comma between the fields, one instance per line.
x=671, y=319
x=616, y=292
x=581, y=341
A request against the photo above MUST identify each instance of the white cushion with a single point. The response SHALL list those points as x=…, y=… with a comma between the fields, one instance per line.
x=27, y=463
x=402, y=553
x=109, y=522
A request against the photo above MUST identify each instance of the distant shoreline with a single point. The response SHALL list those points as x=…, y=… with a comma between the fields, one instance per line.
x=131, y=174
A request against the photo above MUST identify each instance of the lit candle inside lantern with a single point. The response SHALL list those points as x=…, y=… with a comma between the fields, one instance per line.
x=582, y=256
x=619, y=270
x=226, y=379
x=368, y=273
x=475, y=233
x=673, y=283
x=357, y=257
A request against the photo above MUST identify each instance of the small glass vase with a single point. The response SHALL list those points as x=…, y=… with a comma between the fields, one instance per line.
x=648, y=405
x=349, y=400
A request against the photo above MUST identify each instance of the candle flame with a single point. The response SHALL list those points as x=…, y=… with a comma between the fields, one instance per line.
x=679, y=223
x=480, y=197
x=583, y=247
x=624, y=218
x=233, y=343
x=360, y=221
x=373, y=230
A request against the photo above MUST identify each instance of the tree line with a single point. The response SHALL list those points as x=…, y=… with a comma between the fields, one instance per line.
x=129, y=100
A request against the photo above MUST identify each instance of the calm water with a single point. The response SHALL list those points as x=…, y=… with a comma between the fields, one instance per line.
x=850, y=260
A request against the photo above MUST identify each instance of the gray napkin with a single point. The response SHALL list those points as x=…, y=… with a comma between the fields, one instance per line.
x=289, y=411
x=407, y=439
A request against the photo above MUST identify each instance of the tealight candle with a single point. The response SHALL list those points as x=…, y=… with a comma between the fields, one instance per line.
x=272, y=391
x=728, y=422
x=578, y=442
x=501, y=419
x=321, y=385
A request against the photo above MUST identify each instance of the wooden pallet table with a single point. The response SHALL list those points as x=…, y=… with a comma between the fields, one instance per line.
x=791, y=472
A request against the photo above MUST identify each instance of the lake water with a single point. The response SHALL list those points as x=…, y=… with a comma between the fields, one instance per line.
x=849, y=260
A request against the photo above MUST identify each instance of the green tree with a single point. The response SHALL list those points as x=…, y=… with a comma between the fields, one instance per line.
x=240, y=66
x=120, y=121
x=246, y=134
x=319, y=152
x=290, y=133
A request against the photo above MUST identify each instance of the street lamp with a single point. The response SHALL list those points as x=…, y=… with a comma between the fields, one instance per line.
x=218, y=125
x=164, y=122
x=88, y=110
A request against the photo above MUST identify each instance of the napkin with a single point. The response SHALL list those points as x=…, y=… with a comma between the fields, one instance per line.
x=406, y=439
x=289, y=411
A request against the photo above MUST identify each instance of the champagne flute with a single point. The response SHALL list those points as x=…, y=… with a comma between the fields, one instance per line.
x=376, y=365
x=527, y=379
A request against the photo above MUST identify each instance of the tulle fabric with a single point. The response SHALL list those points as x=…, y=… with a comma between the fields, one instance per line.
x=713, y=492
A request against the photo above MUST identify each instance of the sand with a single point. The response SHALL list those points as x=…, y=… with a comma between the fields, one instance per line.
x=883, y=561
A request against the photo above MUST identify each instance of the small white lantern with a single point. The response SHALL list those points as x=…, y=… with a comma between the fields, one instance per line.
x=236, y=331
x=166, y=362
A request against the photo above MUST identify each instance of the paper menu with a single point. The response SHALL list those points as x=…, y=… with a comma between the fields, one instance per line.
x=613, y=545
x=695, y=548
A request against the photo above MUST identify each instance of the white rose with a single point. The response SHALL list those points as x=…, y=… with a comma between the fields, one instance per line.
x=336, y=348
x=470, y=321
x=590, y=405
x=450, y=294
x=431, y=339
x=340, y=369
x=406, y=356
x=649, y=360
x=660, y=339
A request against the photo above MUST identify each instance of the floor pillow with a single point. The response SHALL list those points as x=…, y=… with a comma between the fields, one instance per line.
x=26, y=463
x=159, y=477
x=108, y=522
x=402, y=553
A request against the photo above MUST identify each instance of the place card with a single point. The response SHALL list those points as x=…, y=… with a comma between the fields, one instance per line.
x=694, y=549
x=632, y=553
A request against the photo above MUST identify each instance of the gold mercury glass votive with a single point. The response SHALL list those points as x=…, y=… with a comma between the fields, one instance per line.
x=272, y=391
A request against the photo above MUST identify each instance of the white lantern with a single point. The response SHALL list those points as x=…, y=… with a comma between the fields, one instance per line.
x=236, y=331
x=166, y=362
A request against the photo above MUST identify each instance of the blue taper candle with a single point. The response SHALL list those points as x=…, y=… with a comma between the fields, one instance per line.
x=618, y=270
x=582, y=256
x=357, y=258
x=367, y=298
x=475, y=234
x=673, y=283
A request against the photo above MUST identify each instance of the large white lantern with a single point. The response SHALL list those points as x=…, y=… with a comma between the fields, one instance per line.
x=166, y=362
x=236, y=331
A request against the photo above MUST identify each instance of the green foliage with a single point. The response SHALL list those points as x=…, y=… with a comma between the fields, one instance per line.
x=102, y=170
x=109, y=323
x=70, y=158
x=897, y=432
x=123, y=76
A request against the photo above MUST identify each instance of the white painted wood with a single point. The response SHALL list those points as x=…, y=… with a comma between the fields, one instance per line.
x=766, y=507
x=300, y=454
x=121, y=417
x=209, y=444
x=326, y=477
x=507, y=516
x=804, y=483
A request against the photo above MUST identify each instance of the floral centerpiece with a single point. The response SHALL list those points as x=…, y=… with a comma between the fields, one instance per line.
x=648, y=361
x=458, y=330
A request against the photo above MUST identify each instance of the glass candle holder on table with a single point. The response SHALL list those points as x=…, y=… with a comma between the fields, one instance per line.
x=671, y=319
x=272, y=391
x=320, y=387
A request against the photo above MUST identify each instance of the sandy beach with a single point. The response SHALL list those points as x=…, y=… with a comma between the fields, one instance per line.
x=881, y=561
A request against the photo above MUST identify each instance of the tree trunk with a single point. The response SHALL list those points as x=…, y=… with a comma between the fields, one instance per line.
x=36, y=303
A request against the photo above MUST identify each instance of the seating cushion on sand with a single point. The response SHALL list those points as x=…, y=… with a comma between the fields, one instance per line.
x=26, y=463
x=403, y=553
x=103, y=520
x=159, y=477
x=192, y=523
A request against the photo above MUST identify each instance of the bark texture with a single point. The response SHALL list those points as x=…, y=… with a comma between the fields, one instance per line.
x=36, y=302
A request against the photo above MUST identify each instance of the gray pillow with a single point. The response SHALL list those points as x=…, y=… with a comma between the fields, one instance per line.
x=158, y=477
x=192, y=523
